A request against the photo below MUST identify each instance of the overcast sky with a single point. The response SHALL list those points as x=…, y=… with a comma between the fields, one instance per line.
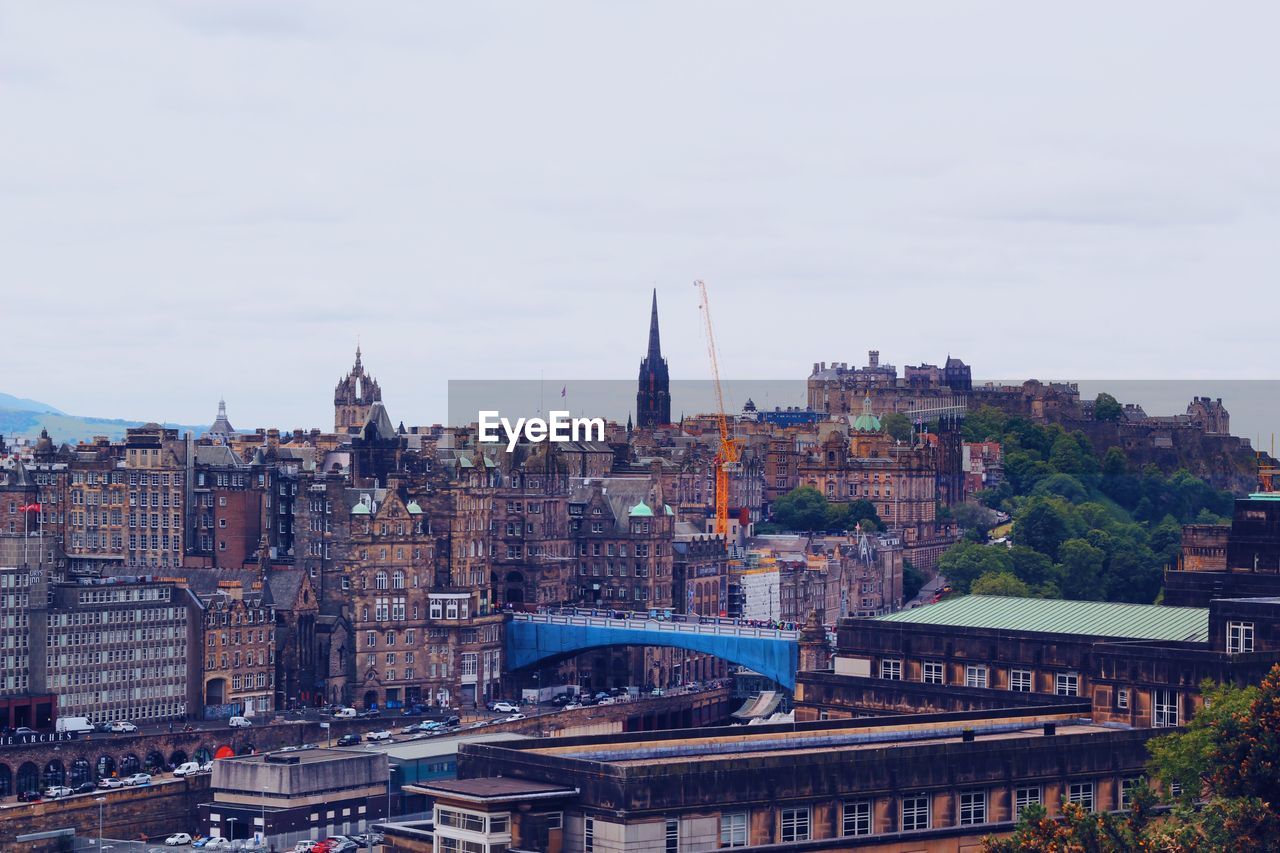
x=219, y=198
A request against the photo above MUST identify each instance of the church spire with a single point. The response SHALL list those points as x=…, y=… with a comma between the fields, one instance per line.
x=653, y=397
x=655, y=347
x=358, y=365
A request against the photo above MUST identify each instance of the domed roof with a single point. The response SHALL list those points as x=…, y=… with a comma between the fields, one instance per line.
x=668, y=510
x=413, y=508
x=640, y=509
x=866, y=422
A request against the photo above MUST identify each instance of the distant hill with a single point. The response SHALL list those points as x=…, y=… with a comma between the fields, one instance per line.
x=25, y=419
x=22, y=404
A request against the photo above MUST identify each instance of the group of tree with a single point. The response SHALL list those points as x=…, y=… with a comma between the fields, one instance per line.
x=1083, y=527
x=804, y=509
x=1224, y=768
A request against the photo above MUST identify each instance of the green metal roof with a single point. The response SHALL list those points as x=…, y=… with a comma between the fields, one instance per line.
x=640, y=509
x=1265, y=496
x=1057, y=616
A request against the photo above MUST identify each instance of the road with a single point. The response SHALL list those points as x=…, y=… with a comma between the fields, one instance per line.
x=925, y=596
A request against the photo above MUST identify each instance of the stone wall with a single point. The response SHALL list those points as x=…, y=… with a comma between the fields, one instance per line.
x=128, y=814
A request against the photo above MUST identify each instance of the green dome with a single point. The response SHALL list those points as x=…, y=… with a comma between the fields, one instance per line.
x=866, y=422
x=641, y=509
x=413, y=508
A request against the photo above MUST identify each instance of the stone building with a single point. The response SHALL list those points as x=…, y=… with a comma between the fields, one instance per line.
x=239, y=649
x=939, y=785
x=354, y=395
x=1229, y=561
x=124, y=649
x=1139, y=665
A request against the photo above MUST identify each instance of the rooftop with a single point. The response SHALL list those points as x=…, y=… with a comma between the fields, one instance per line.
x=1058, y=616
x=493, y=789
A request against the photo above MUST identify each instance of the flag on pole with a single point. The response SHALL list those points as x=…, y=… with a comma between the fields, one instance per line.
x=30, y=508
x=563, y=389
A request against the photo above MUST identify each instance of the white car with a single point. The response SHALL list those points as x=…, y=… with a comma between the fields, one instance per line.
x=207, y=767
x=55, y=791
x=513, y=718
x=503, y=708
x=123, y=727
x=110, y=782
x=378, y=735
x=177, y=839
x=304, y=846
x=187, y=768
x=138, y=779
x=239, y=722
x=219, y=843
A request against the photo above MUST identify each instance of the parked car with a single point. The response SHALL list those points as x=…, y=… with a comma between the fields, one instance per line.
x=305, y=846
x=104, y=726
x=187, y=768
x=561, y=699
x=138, y=779
x=572, y=706
x=25, y=730
x=207, y=767
x=218, y=843
x=608, y=700
x=381, y=734
x=348, y=740
x=53, y=792
x=85, y=788
x=110, y=782
x=453, y=721
x=178, y=839
x=503, y=707
x=412, y=710
x=239, y=722
x=345, y=713
x=29, y=797
x=513, y=718
x=123, y=727
x=370, y=712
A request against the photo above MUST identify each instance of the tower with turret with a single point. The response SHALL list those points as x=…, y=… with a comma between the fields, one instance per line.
x=353, y=398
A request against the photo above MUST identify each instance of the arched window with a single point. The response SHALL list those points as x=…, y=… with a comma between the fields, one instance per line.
x=397, y=580
x=380, y=581
x=6, y=780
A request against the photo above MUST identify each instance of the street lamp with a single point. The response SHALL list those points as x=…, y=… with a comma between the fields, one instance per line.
x=100, y=801
x=232, y=836
x=391, y=768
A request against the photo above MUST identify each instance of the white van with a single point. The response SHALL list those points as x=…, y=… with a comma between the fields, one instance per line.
x=239, y=723
x=344, y=713
x=189, y=768
x=75, y=725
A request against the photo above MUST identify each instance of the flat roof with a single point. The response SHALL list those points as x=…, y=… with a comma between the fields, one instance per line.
x=1060, y=616
x=409, y=750
x=496, y=788
x=304, y=756
x=740, y=742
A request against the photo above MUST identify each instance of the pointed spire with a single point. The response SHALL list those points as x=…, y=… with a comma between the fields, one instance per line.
x=358, y=367
x=655, y=348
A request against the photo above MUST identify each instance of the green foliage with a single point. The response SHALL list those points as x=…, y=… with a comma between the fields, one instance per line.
x=1000, y=583
x=965, y=562
x=896, y=425
x=1107, y=408
x=1227, y=762
x=802, y=508
x=974, y=519
x=805, y=509
x=1124, y=524
x=912, y=581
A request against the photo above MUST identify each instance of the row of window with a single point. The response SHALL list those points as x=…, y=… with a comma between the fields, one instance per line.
x=977, y=675
x=915, y=813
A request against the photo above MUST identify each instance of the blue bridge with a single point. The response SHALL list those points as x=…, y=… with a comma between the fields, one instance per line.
x=536, y=637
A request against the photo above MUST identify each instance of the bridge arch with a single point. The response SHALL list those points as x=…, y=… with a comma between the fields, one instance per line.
x=534, y=639
x=6, y=780
x=28, y=777
x=81, y=771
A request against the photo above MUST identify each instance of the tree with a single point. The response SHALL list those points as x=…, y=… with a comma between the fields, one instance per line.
x=912, y=581
x=1042, y=524
x=802, y=508
x=965, y=562
x=974, y=519
x=896, y=425
x=1107, y=408
x=1082, y=570
x=1228, y=759
x=1000, y=583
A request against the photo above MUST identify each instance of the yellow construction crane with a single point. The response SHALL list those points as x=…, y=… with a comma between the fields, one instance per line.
x=727, y=456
